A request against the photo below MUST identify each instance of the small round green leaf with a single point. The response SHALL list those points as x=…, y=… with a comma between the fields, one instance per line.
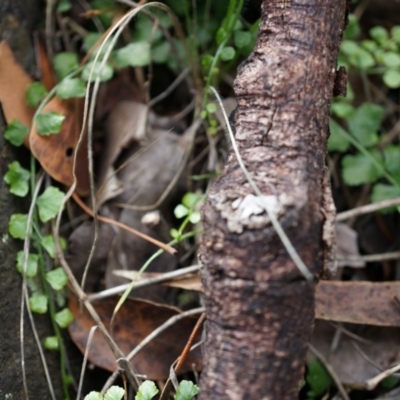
x=195, y=217
x=133, y=55
x=318, y=378
x=64, y=318
x=337, y=140
x=31, y=266
x=17, y=226
x=71, y=88
x=391, y=78
x=51, y=343
x=181, y=211
x=38, y=304
x=147, y=390
x=64, y=63
x=16, y=132
x=206, y=61
x=353, y=28
x=342, y=109
x=17, y=177
x=64, y=6
x=175, y=234
x=49, y=203
x=381, y=192
x=228, y=53
x=160, y=52
x=35, y=93
x=242, y=39
x=49, y=123
x=186, y=391
x=105, y=74
x=359, y=169
x=391, y=59
x=49, y=245
x=379, y=34
x=114, y=393
x=190, y=199
x=396, y=33
x=57, y=278
x=211, y=108
x=93, y=396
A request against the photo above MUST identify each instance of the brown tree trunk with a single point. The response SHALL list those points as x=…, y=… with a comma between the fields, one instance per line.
x=17, y=21
x=260, y=309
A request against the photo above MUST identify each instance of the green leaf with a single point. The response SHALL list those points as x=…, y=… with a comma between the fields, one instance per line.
x=365, y=122
x=93, y=396
x=17, y=177
x=369, y=45
x=391, y=156
x=228, y=53
x=48, y=243
x=114, y=393
x=16, y=132
x=32, y=264
x=211, y=108
x=353, y=28
x=49, y=123
x=390, y=382
x=391, y=59
x=51, y=343
x=379, y=34
x=90, y=40
x=38, y=304
x=180, y=211
x=17, y=226
x=49, y=203
x=35, y=93
x=57, y=278
x=381, y=192
x=342, y=109
x=206, y=61
x=161, y=52
x=241, y=39
x=318, y=378
x=190, y=199
x=64, y=6
x=396, y=33
x=64, y=63
x=133, y=55
x=357, y=55
x=70, y=88
x=64, y=318
x=105, y=75
x=391, y=78
x=195, y=217
x=175, y=234
x=186, y=391
x=359, y=169
x=147, y=390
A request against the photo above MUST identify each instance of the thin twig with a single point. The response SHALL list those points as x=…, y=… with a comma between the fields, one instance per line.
x=145, y=282
x=372, y=383
x=355, y=212
x=183, y=355
x=331, y=371
x=156, y=242
x=394, y=255
x=276, y=224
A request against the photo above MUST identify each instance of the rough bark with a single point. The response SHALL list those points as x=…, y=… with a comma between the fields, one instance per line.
x=17, y=19
x=260, y=309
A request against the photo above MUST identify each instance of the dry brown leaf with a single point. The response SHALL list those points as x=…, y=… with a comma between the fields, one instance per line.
x=370, y=303
x=353, y=361
x=14, y=82
x=134, y=321
x=56, y=152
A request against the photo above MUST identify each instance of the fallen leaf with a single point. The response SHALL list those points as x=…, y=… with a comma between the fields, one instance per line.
x=14, y=82
x=347, y=245
x=371, y=303
x=134, y=321
x=351, y=358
